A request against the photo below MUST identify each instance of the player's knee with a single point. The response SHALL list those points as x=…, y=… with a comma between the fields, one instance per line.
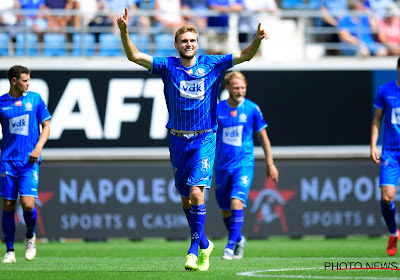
x=9, y=205
x=386, y=199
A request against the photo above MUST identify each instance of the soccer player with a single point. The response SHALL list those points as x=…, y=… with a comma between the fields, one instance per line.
x=387, y=102
x=238, y=118
x=21, y=112
x=191, y=87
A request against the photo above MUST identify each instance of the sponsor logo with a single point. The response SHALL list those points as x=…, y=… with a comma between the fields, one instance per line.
x=396, y=116
x=193, y=89
x=232, y=135
x=234, y=113
x=18, y=103
x=6, y=108
x=268, y=205
x=19, y=125
x=190, y=72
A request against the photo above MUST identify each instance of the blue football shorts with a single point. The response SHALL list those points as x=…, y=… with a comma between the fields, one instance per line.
x=18, y=177
x=233, y=183
x=192, y=161
x=390, y=168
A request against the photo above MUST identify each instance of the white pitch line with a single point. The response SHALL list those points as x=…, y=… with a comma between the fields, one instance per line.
x=257, y=274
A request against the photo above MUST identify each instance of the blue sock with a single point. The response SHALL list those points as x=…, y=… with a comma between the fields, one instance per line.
x=8, y=223
x=30, y=221
x=235, y=228
x=203, y=240
x=388, y=213
x=197, y=218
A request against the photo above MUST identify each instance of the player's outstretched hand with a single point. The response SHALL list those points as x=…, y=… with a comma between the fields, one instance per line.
x=122, y=20
x=261, y=34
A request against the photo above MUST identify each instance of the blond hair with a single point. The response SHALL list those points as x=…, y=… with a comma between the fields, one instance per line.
x=184, y=29
x=234, y=74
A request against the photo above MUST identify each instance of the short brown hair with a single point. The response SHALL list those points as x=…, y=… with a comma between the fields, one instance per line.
x=16, y=72
x=234, y=74
x=184, y=29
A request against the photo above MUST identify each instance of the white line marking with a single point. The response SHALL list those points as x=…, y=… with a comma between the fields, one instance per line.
x=261, y=273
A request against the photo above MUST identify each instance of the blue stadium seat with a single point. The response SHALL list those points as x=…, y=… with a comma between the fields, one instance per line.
x=55, y=44
x=4, y=40
x=164, y=44
x=26, y=44
x=142, y=42
x=300, y=4
x=110, y=45
x=83, y=44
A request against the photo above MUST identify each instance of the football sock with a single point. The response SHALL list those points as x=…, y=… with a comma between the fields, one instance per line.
x=197, y=218
x=8, y=223
x=235, y=227
x=227, y=222
x=30, y=221
x=203, y=240
x=388, y=213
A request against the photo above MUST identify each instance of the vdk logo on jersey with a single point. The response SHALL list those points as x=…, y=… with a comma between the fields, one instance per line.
x=193, y=89
x=396, y=116
x=19, y=125
x=232, y=135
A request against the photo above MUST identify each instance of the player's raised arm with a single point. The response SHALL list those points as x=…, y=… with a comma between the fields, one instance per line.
x=250, y=51
x=131, y=51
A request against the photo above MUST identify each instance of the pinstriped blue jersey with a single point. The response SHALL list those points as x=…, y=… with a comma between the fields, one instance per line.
x=191, y=92
x=20, y=119
x=236, y=126
x=388, y=100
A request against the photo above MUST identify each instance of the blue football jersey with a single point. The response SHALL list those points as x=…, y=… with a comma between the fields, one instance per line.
x=20, y=119
x=191, y=92
x=388, y=100
x=236, y=126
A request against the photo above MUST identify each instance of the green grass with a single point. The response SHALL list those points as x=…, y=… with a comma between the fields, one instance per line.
x=274, y=258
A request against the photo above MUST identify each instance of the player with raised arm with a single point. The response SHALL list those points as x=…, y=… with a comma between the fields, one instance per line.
x=387, y=102
x=191, y=86
x=238, y=119
x=21, y=113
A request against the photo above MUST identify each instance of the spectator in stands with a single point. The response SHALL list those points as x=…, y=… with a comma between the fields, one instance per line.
x=378, y=7
x=355, y=33
x=57, y=22
x=331, y=11
x=87, y=12
x=198, y=7
x=113, y=8
x=389, y=30
x=8, y=19
x=252, y=16
x=32, y=20
x=168, y=14
x=218, y=26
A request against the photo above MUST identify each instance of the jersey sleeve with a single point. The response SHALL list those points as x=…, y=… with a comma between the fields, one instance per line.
x=379, y=100
x=259, y=122
x=43, y=113
x=224, y=62
x=159, y=65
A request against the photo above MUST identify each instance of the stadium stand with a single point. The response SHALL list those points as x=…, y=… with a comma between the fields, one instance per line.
x=4, y=39
x=55, y=44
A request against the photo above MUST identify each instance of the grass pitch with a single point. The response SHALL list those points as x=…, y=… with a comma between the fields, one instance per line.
x=274, y=258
